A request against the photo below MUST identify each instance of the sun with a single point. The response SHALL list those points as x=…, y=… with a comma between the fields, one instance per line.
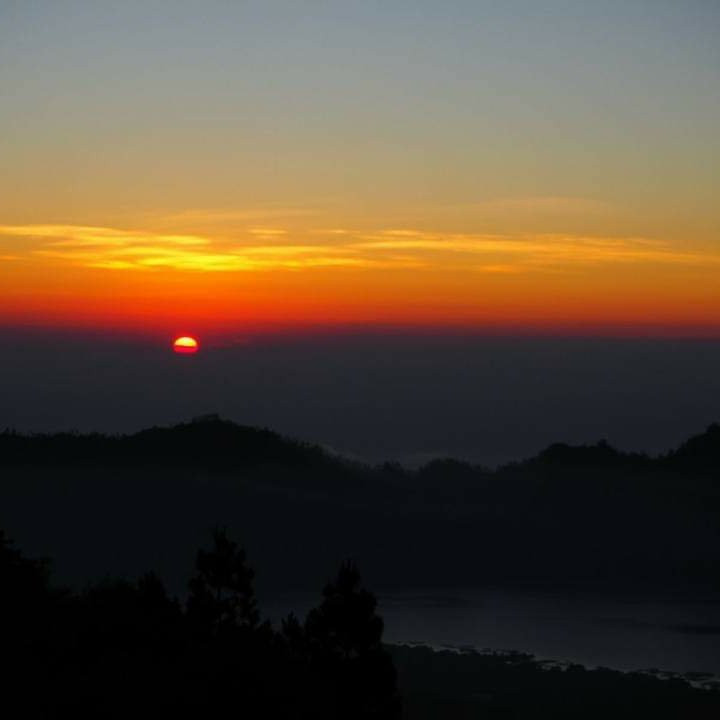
x=186, y=345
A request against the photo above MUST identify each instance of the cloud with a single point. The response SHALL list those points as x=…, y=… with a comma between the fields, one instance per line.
x=91, y=236
x=267, y=231
x=115, y=249
x=533, y=250
x=267, y=248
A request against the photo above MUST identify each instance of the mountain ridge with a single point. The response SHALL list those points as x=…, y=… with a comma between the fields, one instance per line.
x=582, y=516
x=220, y=442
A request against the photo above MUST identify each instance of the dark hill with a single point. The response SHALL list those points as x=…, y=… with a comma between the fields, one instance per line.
x=579, y=516
x=205, y=442
x=700, y=453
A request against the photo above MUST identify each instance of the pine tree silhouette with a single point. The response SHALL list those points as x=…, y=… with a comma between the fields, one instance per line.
x=222, y=596
x=352, y=670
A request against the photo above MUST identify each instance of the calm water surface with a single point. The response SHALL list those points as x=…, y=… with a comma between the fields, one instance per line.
x=622, y=633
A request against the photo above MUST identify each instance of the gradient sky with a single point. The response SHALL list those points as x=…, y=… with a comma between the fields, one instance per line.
x=216, y=166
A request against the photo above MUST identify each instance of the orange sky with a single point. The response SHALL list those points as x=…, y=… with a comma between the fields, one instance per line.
x=285, y=277
x=252, y=167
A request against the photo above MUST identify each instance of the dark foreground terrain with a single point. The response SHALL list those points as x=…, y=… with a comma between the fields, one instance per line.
x=109, y=508
x=123, y=649
x=461, y=685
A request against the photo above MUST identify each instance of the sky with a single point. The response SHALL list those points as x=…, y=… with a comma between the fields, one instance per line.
x=398, y=228
x=226, y=167
x=392, y=396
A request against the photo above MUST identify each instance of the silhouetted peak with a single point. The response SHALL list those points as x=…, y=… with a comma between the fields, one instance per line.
x=207, y=418
x=207, y=441
x=441, y=470
x=600, y=454
x=700, y=451
x=210, y=440
x=446, y=465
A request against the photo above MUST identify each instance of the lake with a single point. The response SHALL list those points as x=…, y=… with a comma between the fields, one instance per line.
x=623, y=633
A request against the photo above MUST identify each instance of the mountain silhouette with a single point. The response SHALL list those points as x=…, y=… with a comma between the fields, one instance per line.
x=700, y=453
x=211, y=441
x=571, y=516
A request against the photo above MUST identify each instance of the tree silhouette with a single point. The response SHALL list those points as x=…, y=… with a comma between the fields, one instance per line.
x=345, y=625
x=231, y=655
x=22, y=576
x=27, y=621
x=353, y=672
x=122, y=649
x=222, y=596
x=25, y=596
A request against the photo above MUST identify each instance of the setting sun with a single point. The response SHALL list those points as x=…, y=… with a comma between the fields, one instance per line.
x=185, y=345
